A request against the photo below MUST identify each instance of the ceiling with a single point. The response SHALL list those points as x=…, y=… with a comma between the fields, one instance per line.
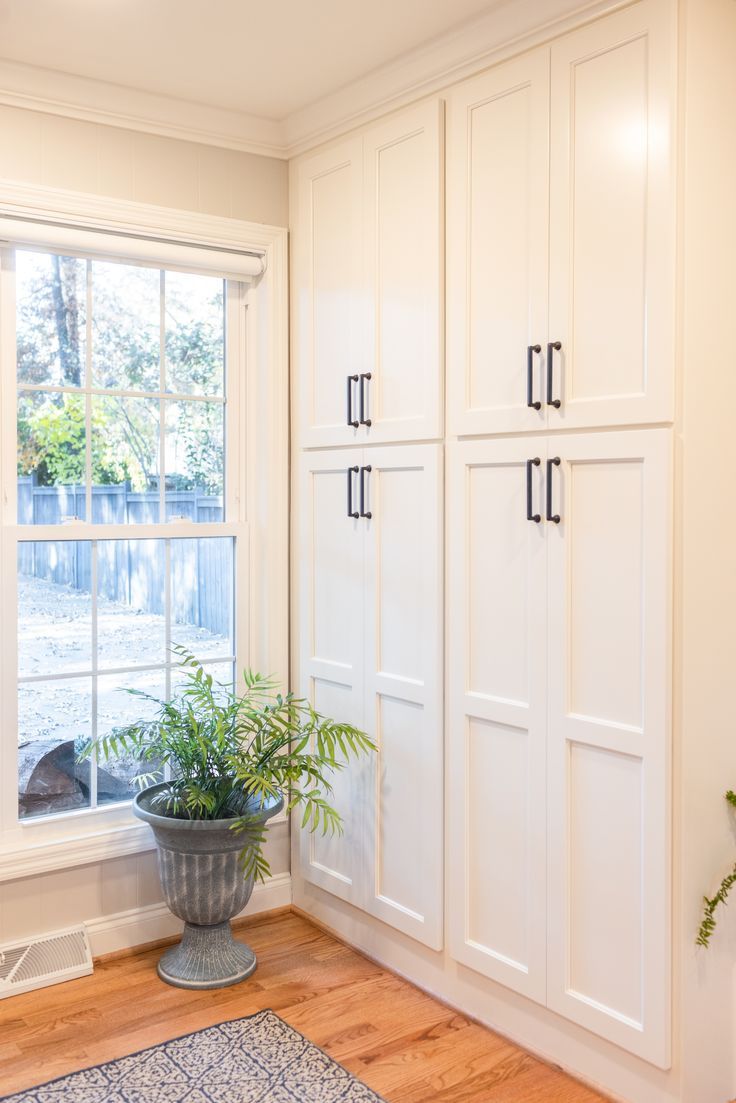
x=269, y=58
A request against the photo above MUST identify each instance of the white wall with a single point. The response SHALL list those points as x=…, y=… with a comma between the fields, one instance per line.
x=45, y=149
x=67, y=153
x=706, y=765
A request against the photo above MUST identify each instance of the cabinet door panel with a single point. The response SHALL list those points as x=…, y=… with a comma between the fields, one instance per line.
x=327, y=291
x=496, y=734
x=609, y=737
x=404, y=278
x=497, y=245
x=331, y=651
x=612, y=220
x=404, y=678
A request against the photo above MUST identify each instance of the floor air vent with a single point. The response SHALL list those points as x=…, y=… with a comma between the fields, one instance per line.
x=48, y=959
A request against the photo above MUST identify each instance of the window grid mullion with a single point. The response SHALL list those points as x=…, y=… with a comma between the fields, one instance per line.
x=162, y=389
x=88, y=395
x=93, y=759
x=167, y=631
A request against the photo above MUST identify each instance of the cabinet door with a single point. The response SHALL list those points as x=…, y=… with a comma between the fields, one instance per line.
x=497, y=200
x=612, y=223
x=403, y=686
x=497, y=711
x=404, y=275
x=327, y=293
x=609, y=736
x=331, y=567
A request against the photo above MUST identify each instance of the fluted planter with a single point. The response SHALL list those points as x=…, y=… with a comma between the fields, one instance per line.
x=203, y=884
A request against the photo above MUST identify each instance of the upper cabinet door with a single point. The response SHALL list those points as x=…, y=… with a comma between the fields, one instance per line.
x=609, y=735
x=612, y=175
x=327, y=294
x=497, y=197
x=403, y=687
x=497, y=709
x=402, y=396
x=330, y=586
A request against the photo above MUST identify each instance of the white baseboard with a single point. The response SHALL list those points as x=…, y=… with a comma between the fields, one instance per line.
x=123, y=931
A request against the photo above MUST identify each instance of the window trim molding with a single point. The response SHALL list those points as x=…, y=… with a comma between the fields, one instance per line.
x=112, y=832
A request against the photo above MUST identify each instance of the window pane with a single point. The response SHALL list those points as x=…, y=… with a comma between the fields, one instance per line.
x=195, y=442
x=126, y=313
x=54, y=720
x=195, y=334
x=126, y=451
x=202, y=606
x=52, y=442
x=51, y=299
x=222, y=673
x=118, y=708
x=54, y=607
x=131, y=621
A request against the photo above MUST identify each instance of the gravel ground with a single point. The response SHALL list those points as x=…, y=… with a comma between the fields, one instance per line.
x=54, y=637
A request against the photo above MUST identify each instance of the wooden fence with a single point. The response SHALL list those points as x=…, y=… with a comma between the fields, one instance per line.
x=132, y=571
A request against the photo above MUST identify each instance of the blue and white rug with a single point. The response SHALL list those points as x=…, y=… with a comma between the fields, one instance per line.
x=259, y=1059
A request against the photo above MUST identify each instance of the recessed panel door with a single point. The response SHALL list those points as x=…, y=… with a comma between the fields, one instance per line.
x=402, y=395
x=497, y=209
x=404, y=687
x=331, y=563
x=497, y=710
x=612, y=223
x=327, y=294
x=609, y=735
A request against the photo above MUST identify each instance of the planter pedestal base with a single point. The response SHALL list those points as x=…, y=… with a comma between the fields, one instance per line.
x=207, y=957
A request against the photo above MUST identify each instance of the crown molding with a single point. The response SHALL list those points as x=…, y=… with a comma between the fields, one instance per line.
x=96, y=101
x=508, y=28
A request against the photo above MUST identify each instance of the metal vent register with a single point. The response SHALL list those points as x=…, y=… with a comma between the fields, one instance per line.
x=50, y=959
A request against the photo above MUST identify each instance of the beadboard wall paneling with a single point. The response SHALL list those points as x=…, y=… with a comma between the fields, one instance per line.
x=37, y=148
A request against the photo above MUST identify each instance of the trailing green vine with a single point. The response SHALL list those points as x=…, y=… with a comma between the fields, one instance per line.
x=712, y=903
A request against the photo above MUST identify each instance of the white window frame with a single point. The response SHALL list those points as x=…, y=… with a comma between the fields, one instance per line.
x=256, y=487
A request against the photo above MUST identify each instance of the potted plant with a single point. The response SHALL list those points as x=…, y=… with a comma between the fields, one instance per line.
x=230, y=761
x=712, y=903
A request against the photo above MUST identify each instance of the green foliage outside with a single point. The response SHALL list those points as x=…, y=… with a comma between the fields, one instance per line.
x=712, y=903
x=126, y=338
x=232, y=753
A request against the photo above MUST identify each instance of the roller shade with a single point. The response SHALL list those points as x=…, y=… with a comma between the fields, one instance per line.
x=143, y=248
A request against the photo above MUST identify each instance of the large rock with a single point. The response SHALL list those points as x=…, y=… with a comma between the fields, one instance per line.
x=52, y=780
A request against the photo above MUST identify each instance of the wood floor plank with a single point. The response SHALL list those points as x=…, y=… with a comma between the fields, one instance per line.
x=403, y=1043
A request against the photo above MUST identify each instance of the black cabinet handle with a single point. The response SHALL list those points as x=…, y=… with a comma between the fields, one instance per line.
x=554, y=517
x=351, y=512
x=552, y=347
x=530, y=350
x=529, y=515
x=351, y=421
x=363, y=513
x=363, y=419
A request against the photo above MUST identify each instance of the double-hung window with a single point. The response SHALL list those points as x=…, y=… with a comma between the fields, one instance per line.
x=124, y=531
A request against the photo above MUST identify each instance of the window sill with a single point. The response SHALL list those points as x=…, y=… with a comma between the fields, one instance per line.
x=25, y=859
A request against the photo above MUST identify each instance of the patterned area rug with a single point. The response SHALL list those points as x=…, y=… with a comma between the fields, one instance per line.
x=259, y=1059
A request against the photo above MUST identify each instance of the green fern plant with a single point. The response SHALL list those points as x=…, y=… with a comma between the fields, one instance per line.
x=228, y=754
x=712, y=903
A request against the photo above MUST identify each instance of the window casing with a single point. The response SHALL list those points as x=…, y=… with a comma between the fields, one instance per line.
x=104, y=822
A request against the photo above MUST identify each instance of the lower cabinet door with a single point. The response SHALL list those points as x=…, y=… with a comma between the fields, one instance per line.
x=497, y=709
x=609, y=736
x=330, y=583
x=404, y=687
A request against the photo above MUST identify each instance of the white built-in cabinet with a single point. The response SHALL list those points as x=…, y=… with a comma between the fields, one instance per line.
x=370, y=584
x=367, y=307
x=560, y=233
x=558, y=302
x=558, y=723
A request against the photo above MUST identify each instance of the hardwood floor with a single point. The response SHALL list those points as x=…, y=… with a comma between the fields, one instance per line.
x=407, y=1046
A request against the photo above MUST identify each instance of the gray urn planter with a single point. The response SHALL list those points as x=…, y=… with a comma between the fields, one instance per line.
x=203, y=884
